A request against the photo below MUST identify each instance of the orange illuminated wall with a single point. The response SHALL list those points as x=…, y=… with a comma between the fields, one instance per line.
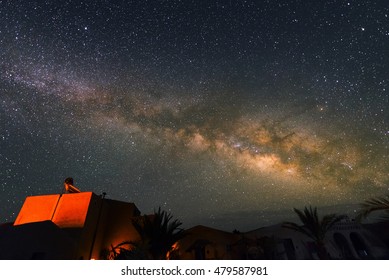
x=66, y=210
x=115, y=225
x=72, y=210
x=37, y=209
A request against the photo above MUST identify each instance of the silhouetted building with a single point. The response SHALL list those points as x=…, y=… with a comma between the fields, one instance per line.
x=205, y=243
x=346, y=240
x=67, y=226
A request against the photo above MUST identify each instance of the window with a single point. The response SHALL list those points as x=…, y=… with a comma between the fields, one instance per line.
x=359, y=246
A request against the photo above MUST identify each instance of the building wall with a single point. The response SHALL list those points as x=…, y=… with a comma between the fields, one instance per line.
x=348, y=240
x=115, y=225
x=207, y=243
x=67, y=226
x=75, y=213
x=356, y=242
x=38, y=240
x=37, y=209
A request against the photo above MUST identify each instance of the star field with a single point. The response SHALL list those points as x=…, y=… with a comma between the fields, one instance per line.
x=227, y=113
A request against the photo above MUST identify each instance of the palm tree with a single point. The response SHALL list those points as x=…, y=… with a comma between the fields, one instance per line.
x=158, y=233
x=127, y=250
x=315, y=228
x=373, y=205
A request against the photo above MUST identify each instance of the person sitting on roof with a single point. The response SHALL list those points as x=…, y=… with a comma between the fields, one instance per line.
x=69, y=187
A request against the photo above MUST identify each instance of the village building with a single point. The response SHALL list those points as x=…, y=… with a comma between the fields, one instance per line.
x=346, y=240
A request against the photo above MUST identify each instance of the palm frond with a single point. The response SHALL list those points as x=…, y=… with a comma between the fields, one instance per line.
x=329, y=221
x=298, y=228
x=312, y=226
x=372, y=205
x=159, y=231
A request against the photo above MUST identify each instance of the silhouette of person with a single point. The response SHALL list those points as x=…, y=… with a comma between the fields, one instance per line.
x=69, y=187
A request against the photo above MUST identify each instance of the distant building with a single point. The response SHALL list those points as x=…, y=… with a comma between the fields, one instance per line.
x=205, y=243
x=67, y=226
x=347, y=240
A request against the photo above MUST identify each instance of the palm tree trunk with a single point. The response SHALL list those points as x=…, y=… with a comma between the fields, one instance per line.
x=322, y=251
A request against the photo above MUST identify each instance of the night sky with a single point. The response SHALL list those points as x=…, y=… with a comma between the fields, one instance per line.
x=226, y=113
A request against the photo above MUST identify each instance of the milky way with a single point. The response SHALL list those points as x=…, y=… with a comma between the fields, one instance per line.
x=227, y=114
